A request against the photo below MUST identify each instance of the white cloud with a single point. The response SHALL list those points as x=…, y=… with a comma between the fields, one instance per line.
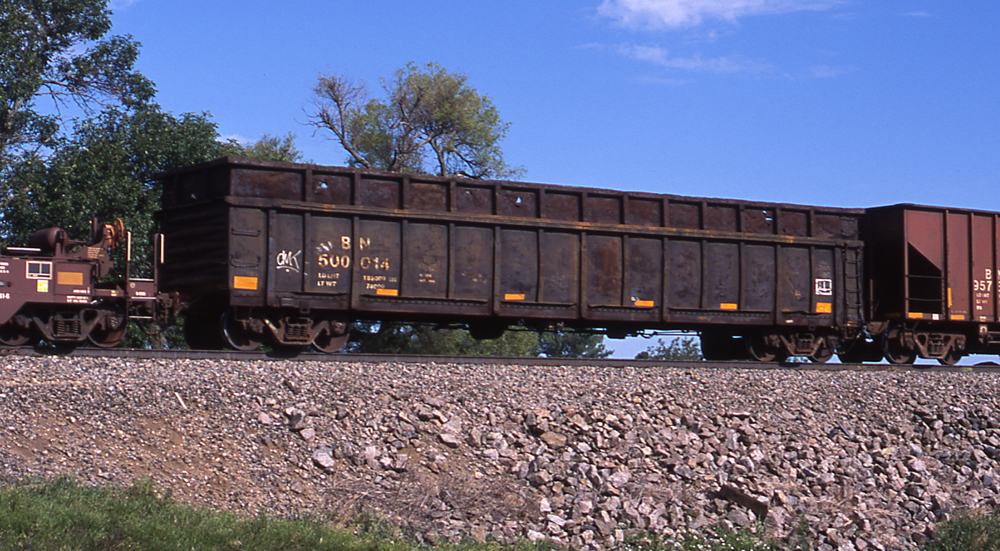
x=662, y=57
x=671, y=14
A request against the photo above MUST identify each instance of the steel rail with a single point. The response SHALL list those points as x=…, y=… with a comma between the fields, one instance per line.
x=304, y=356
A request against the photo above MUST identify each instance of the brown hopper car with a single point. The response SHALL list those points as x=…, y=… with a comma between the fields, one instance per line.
x=931, y=281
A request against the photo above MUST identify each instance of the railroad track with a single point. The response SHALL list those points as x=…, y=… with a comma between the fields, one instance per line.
x=308, y=356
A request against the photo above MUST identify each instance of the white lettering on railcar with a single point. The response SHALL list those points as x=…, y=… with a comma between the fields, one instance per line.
x=288, y=261
x=374, y=263
x=983, y=289
x=327, y=280
x=325, y=260
x=824, y=287
x=326, y=257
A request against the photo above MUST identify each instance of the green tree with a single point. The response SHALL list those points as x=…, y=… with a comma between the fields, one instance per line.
x=273, y=148
x=431, y=122
x=572, y=344
x=58, y=49
x=679, y=349
x=106, y=169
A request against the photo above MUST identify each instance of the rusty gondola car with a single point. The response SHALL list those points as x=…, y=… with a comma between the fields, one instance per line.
x=292, y=253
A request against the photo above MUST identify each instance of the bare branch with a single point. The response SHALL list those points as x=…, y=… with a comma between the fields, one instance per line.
x=337, y=101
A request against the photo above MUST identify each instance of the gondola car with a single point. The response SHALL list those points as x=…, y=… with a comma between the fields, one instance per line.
x=292, y=253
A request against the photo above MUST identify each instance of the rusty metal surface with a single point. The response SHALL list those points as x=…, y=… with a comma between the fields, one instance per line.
x=400, y=246
x=985, y=246
x=237, y=177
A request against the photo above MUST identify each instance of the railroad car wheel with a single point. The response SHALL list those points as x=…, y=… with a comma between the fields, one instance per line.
x=14, y=335
x=822, y=354
x=852, y=352
x=110, y=330
x=236, y=335
x=329, y=343
x=951, y=358
x=894, y=350
x=759, y=350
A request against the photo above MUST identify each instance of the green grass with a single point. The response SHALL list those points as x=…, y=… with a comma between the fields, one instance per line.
x=63, y=515
x=968, y=533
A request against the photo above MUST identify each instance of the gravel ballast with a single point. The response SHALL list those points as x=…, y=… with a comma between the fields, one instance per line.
x=584, y=456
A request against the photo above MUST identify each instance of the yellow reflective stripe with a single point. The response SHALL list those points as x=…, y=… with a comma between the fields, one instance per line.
x=69, y=278
x=245, y=283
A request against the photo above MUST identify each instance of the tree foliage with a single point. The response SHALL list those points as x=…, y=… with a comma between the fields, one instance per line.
x=572, y=344
x=678, y=349
x=106, y=169
x=431, y=121
x=273, y=148
x=58, y=49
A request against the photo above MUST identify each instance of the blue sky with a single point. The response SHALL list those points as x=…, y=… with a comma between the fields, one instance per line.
x=830, y=102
